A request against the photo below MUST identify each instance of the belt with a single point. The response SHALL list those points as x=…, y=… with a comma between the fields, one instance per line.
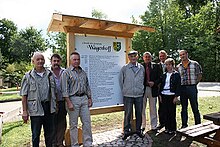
x=189, y=85
x=79, y=94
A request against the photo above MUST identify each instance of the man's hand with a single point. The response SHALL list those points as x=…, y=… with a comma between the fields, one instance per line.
x=25, y=116
x=90, y=102
x=151, y=83
x=70, y=106
x=160, y=98
x=175, y=100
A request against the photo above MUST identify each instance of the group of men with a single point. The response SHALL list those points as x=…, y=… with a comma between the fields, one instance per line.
x=140, y=82
x=44, y=93
x=48, y=95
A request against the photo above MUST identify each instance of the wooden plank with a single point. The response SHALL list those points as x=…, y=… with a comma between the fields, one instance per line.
x=208, y=141
x=76, y=21
x=215, y=117
x=203, y=131
x=98, y=32
x=210, y=126
x=198, y=130
x=195, y=126
x=104, y=110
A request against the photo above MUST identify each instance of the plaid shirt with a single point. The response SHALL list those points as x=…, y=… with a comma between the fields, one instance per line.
x=189, y=75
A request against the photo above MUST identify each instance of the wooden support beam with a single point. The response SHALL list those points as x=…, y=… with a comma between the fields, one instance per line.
x=70, y=46
x=104, y=110
x=98, y=32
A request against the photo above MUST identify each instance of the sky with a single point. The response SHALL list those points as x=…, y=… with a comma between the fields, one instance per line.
x=38, y=13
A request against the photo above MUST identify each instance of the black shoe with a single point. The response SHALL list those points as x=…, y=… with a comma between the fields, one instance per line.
x=142, y=130
x=183, y=127
x=154, y=130
x=140, y=134
x=166, y=131
x=160, y=126
x=126, y=135
x=171, y=132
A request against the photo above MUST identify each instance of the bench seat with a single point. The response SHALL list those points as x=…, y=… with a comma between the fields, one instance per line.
x=198, y=130
x=201, y=133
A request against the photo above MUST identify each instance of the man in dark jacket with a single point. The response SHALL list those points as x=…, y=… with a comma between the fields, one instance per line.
x=162, y=57
x=151, y=81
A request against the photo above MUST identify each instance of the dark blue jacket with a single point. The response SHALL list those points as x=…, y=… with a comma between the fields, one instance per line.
x=175, y=83
x=155, y=73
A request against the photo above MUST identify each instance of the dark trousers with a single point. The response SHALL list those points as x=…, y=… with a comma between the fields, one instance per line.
x=47, y=121
x=189, y=93
x=161, y=113
x=169, y=112
x=128, y=108
x=60, y=123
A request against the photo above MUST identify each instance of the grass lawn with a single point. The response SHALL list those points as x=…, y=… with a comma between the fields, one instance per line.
x=15, y=134
x=9, y=89
x=6, y=97
x=18, y=134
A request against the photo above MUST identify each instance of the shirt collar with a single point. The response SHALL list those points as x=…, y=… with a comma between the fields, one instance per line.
x=188, y=60
x=73, y=68
x=132, y=65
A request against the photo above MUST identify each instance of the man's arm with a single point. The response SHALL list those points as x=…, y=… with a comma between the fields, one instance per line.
x=65, y=90
x=199, y=71
x=24, y=94
x=24, y=108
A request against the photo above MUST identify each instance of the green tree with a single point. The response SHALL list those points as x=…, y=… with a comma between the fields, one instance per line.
x=175, y=31
x=25, y=43
x=13, y=73
x=7, y=31
x=57, y=42
x=98, y=14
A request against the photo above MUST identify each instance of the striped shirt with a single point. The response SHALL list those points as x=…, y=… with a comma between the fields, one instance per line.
x=74, y=82
x=57, y=80
x=189, y=75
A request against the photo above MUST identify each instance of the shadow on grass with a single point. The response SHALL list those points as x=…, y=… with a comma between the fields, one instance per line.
x=160, y=139
x=10, y=126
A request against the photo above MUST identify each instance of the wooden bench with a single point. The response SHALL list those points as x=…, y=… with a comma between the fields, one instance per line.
x=201, y=133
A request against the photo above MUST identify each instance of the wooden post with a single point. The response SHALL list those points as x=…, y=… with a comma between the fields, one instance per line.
x=70, y=37
x=1, y=125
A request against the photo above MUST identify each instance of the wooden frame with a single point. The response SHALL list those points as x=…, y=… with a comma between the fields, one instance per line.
x=72, y=25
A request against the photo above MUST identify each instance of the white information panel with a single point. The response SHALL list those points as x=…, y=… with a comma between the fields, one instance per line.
x=102, y=59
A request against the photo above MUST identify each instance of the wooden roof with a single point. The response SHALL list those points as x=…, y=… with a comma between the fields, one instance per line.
x=84, y=25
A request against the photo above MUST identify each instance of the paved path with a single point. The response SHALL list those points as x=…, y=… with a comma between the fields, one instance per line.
x=114, y=139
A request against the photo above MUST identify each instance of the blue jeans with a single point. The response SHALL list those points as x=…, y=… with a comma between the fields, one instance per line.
x=128, y=107
x=47, y=121
x=189, y=92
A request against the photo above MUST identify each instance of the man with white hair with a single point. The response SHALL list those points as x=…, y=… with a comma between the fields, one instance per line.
x=151, y=81
x=38, y=90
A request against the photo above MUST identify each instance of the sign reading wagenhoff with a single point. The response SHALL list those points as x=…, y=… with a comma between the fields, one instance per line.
x=102, y=59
